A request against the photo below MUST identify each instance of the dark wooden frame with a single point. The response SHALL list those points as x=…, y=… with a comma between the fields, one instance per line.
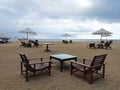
x=27, y=68
x=24, y=44
x=91, y=45
x=108, y=44
x=97, y=63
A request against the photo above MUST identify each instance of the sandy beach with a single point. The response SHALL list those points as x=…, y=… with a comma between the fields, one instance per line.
x=11, y=78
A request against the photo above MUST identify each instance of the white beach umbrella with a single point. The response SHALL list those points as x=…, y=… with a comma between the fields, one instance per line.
x=106, y=35
x=102, y=32
x=66, y=35
x=1, y=34
x=28, y=32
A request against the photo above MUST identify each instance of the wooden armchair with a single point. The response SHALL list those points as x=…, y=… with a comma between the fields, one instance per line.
x=34, y=69
x=97, y=63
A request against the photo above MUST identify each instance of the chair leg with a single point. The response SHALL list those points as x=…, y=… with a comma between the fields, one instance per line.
x=103, y=70
x=49, y=68
x=91, y=76
x=71, y=71
x=71, y=68
x=84, y=72
x=34, y=71
x=26, y=75
x=21, y=68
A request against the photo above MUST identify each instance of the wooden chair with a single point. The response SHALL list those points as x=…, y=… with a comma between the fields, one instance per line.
x=91, y=45
x=36, y=44
x=34, y=69
x=108, y=44
x=65, y=41
x=97, y=63
x=24, y=44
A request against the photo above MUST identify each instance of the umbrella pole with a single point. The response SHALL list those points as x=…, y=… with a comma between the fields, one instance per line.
x=27, y=36
x=101, y=37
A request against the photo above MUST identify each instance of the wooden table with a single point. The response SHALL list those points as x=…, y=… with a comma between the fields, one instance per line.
x=47, y=47
x=62, y=58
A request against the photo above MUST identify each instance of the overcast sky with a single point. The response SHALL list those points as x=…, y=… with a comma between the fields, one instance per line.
x=50, y=19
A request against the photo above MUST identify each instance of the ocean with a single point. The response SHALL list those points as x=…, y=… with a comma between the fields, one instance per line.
x=79, y=40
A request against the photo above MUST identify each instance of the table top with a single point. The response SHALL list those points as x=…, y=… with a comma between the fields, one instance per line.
x=47, y=43
x=63, y=56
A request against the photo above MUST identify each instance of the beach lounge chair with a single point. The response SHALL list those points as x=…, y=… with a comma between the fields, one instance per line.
x=65, y=41
x=34, y=69
x=91, y=45
x=24, y=44
x=108, y=44
x=97, y=66
x=100, y=46
x=36, y=44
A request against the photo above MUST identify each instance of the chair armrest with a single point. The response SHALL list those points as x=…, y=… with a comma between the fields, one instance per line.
x=87, y=59
x=46, y=61
x=36, y=59
x=42, y=62
x=84, y=65
x=84, y=59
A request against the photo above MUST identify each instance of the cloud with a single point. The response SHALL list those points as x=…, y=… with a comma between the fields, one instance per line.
x=52, y=18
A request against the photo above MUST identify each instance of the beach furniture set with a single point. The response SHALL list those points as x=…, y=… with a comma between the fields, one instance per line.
x=102, y=45
x=29, y=44
x=66, y=41
x=36, y=44
x=96, y=66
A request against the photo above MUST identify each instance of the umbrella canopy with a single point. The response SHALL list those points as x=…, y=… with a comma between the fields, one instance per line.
x=1, y=34
x=102, y=32
x=106, y=35
x=28, y=31
x=66, y=35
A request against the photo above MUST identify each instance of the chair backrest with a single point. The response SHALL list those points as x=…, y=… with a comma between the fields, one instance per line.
x=36, y=43
x=98, y=61
x=92, y=45
x=25, y=61
x=108, y=43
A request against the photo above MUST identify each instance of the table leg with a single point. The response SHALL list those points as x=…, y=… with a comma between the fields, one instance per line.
x=61, y=66
x=47, y=49
x=76, y=59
